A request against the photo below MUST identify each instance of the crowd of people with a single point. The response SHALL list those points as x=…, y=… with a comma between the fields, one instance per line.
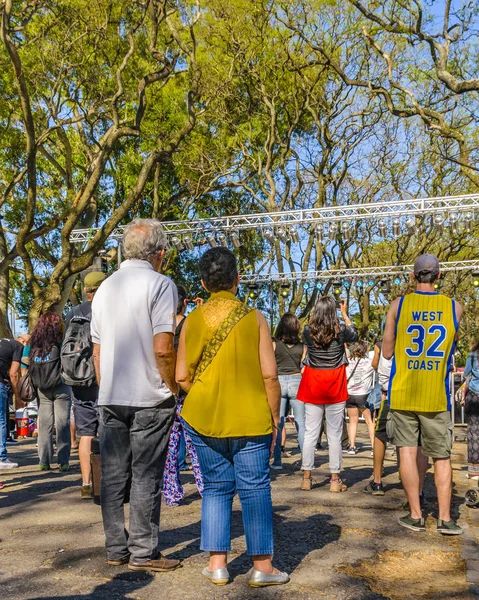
x=158, y=385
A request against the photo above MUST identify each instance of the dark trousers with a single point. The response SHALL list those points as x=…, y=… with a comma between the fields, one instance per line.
x=133, y=441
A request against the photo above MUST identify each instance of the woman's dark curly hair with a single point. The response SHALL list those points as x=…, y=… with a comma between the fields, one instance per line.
x=48, y=332
x=218, y=269
x=323, y=323
x=288, y=329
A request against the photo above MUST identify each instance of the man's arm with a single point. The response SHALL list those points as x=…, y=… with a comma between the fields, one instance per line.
x=96, y=361
x=269, y=369
x=165, y=357
x=14, y=376
x=389, y=340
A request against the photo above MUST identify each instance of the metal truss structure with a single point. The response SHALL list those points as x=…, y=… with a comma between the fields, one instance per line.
x=451, y=208
x=363, y=274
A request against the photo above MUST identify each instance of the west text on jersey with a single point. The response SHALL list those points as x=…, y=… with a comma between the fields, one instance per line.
x=427, y=315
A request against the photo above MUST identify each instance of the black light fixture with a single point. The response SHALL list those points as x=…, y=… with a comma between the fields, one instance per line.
x=253, y=291
x=385, y=287
x=337, y=285
x=439, y=282
x=285, y=289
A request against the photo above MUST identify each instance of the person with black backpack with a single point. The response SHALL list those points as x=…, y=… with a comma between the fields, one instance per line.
x=78, y=371
x=54, y=396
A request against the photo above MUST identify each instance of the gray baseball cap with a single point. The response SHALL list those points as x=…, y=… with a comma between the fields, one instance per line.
x=426, y=262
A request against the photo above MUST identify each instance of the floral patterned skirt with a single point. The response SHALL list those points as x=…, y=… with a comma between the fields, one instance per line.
x=173, y=491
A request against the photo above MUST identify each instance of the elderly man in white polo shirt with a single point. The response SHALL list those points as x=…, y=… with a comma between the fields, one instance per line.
x=133, y=322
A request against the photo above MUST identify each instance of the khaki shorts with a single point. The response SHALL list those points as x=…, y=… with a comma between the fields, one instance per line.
x=431, y=430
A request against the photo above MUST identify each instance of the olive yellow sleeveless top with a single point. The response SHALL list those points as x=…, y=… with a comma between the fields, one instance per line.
x=229, y=398
x=426, y=328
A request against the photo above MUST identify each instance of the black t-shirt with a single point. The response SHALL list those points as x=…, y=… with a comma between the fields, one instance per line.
x=288, y=358
x=10, y=351
x=83, y=310
x=333, y=355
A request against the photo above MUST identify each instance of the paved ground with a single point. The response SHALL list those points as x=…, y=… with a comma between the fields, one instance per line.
x=336, y=546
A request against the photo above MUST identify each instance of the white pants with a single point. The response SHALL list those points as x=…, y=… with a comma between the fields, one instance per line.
x=334, y=420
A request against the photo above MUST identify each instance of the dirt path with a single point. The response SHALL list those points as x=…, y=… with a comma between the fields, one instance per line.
x=336, y=546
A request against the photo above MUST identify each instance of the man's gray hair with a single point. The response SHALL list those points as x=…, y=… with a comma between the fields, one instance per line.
x=143, y=238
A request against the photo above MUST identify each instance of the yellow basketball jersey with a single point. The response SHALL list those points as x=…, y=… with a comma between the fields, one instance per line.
x=426, y=328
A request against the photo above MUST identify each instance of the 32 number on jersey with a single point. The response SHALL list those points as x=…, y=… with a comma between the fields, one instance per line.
x=418, y=340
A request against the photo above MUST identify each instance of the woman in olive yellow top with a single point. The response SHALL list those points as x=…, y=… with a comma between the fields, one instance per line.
x=226, y=365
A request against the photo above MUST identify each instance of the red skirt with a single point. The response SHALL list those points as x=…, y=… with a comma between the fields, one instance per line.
x=323, y=386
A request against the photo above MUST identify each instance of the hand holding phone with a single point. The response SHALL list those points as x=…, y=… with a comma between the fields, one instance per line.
x=342, y=306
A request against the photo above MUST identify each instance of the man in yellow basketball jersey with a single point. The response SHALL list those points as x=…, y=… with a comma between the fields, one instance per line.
x=420, y=336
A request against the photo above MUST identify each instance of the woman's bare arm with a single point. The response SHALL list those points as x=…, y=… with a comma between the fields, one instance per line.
x=183, y=377
x=268, y=368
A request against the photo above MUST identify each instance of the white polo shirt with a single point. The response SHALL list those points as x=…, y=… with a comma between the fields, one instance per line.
x=128, y=310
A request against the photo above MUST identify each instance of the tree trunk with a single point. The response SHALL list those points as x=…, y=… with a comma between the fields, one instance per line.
x=5, y=330
x=364, y=312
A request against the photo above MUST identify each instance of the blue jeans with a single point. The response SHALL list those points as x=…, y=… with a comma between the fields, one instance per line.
x=374, y=398
x=229, y=465
x=3, y=421
x=289, y=390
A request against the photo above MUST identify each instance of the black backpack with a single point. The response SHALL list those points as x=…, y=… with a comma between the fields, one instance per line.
x=77, y=352
x=45, y=373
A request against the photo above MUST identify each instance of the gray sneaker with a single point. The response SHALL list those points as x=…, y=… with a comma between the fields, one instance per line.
x=260, y=579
